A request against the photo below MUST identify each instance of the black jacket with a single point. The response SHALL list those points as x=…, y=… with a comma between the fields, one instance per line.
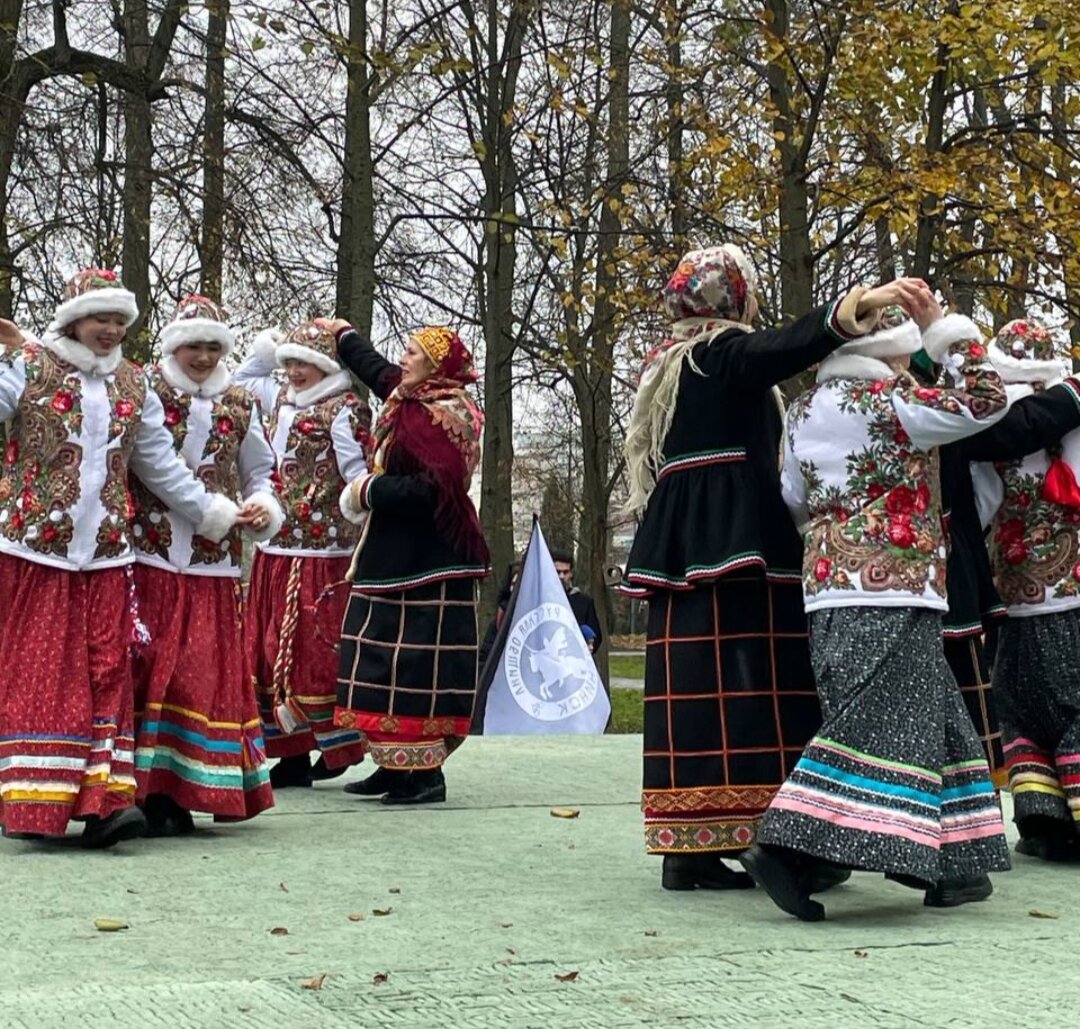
x=402, y=547
x=717, y=506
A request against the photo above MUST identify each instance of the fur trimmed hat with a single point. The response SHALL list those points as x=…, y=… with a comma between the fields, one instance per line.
x=312, y=343
x=1023, y=351
x=717, y=282
x=93, y=291
x=198, y=319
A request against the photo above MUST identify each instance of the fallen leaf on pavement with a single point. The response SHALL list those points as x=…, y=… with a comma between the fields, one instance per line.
x=652, y=932
x=380, y=977
x=295, y=953
x=395, y=889
x=130, y=890
x=283, y=888
x=356, y=916
x=279, y=930
x=109, y=925
x=1041, y=914
x=565, y=812
x=567, y=977
x=315, y=982
x=382, y=912
x=510, y=950
x=506, y=925
x=861, y=954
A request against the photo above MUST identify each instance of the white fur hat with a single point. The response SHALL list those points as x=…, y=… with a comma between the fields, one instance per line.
x=93, y=291
x=311, y=343
x=198, y=319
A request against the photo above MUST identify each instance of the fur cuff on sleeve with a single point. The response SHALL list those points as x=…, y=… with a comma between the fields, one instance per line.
x=350, y=501
x=264, y=347
x=218, y=518
x=942, y=334
x=845, y=317
x=270, y=504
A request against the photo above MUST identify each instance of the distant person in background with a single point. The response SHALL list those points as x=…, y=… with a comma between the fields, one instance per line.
x=495, y=624
x=580, y=602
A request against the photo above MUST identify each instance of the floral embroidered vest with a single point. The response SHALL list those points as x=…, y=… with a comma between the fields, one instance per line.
x=54, y=452
x=307, y=479
x=225, y=422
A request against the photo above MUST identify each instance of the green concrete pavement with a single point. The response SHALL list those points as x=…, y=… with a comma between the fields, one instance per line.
x=490, y=898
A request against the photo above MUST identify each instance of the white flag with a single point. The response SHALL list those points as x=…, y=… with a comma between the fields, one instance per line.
x=542, y=675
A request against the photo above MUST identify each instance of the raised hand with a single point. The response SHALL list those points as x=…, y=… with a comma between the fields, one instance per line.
x=334, y=325
x=913, y=295
x=10, y=336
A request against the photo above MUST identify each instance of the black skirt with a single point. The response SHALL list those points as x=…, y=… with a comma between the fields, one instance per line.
x=408, y=661
x=967, y=659
x=729, y=705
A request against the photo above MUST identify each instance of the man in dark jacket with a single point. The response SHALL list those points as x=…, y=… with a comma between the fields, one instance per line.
x=580, y=602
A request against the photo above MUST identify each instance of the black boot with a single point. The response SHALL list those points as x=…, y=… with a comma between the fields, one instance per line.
x=951, y=893
x=421, y=787
x=320, y=773
x=825, y=875
x=164, y=817
x=375, y=785
x=1052, y=849
x=701, y=871
x=126, y=824
x=291, y=771
x=783, y=875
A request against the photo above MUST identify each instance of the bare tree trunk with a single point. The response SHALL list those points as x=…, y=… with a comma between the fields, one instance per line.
x=592, y=378
x=138, y=172
x=796, y=252
x=930, y=214
x=356, y=243
x=676, y=114
x=500, y=174
x=213, y=201
x=11, y=110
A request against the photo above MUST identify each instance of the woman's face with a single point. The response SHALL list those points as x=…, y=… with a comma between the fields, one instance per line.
x=198, y=360
x=100, y=333
x=415, y=365
x=302, y=375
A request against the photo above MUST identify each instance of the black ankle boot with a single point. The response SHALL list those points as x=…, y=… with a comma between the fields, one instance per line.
x=951, y=893
x=380, y=781
x=127, y=824
x=701, y=871
x=291, y=771
x=320, y=773
x=164, y=817
x=785, y=876
x=427, y=786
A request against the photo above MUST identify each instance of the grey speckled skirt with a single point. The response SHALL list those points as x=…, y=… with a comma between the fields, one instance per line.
x=896, y=781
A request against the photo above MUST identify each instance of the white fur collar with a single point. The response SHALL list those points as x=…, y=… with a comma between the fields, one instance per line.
x=1027, y=369
x=338, y=382
x=853, y=366
x=82, y=357
x=216, y=382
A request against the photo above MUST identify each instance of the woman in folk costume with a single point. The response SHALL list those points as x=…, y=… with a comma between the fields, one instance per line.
x=198, y=742
x=729, y=695
x=408, y=642
x=896, y=780
x=318, y=429
x=1035, y=549
x=79, y=419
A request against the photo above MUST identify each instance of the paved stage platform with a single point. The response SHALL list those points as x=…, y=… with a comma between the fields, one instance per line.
x=496, y=914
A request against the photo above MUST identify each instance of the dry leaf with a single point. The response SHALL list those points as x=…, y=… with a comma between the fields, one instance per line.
x=1040, y=914
x=395, y=889
x=567, y=977
x=506, y=925
x=382, y=912
x=315, y=982
x=130, y=890
x=109, y=925
x=510, y=950
x=380, y=977
x=861, y=954
x=356, y=916
x=504, y=961
x=279, y=930
x=652, y=932
x=283, y=888
x=295, y=953
x=565, y=812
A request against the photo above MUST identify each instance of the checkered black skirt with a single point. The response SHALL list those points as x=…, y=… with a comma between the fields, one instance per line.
x=408, y=660
x=729, y=705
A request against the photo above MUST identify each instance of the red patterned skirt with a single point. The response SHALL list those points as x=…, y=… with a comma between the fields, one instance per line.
x=729, y=705
x=198, y=737
x=290, y=652
x=65, y=696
